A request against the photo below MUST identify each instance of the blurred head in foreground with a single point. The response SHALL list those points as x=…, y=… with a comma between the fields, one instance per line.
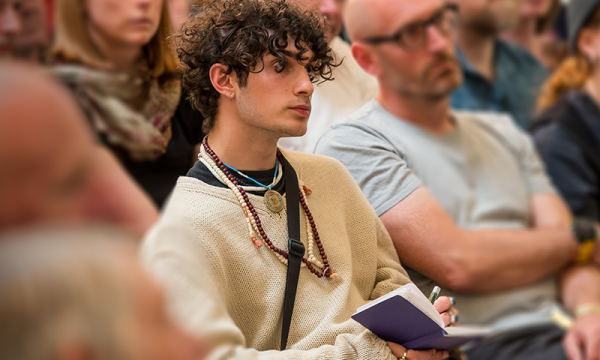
x=50, y=167
x=81, y=294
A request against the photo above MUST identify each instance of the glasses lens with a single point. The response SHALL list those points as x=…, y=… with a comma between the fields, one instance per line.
x=447, y=21
x=413, y=36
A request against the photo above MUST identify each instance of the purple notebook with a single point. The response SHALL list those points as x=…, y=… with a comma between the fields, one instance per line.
x=397, y=320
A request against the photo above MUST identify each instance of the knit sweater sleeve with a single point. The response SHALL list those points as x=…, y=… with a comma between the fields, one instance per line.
x=390, y=274
x=196, y=300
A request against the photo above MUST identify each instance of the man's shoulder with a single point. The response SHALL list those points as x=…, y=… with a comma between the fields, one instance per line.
x=520, y=57
x=370, y=118
x=311, y=163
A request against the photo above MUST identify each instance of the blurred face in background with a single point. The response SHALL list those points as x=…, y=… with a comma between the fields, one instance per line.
x=123, y=23
x=421, y=64
x=179, y=11
x=535, y=9
x=10, y=26
x=489, y=17
x=331, y=12
x=33, y=37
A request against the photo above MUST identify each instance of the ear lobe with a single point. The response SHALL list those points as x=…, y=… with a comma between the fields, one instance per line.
x=221, y=81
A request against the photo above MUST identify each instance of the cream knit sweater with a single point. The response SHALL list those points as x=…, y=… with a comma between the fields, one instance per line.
x=222, y=288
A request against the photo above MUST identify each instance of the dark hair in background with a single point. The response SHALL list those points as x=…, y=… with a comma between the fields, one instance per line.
x=237, y=33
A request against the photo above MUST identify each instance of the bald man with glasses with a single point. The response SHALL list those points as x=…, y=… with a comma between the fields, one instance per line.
x=464, y=196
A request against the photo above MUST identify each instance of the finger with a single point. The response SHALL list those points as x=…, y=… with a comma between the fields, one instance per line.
x=440, y=355
x=572, y=347
x=397, y=350
x=421, y=354
x=442, y=304
x=592, y=346
x=447, y=318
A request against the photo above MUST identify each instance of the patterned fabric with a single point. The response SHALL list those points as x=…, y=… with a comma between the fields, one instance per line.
x=132, y=112
x=518, y=78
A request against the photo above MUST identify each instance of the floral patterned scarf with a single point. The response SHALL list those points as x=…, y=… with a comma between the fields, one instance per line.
x=132, y=112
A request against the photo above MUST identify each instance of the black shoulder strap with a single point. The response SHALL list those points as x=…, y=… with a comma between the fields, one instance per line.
x=295, y=248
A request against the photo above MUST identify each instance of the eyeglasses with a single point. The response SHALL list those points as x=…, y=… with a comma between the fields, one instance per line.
x=414, y=36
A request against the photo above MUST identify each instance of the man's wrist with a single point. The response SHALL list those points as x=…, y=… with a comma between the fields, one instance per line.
x=584, y=231
x=587, y=309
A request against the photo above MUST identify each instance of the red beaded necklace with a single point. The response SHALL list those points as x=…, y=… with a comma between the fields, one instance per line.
x=327, y=270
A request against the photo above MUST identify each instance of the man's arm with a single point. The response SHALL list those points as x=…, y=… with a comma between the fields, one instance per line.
x=428, y=241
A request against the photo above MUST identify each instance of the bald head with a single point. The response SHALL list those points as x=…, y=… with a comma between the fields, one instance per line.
x=35, y=113
x=51, y=168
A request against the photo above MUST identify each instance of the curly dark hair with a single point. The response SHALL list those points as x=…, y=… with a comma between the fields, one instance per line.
x=237, y=34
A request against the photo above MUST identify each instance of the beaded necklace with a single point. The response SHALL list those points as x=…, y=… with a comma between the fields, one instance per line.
x=219, y=170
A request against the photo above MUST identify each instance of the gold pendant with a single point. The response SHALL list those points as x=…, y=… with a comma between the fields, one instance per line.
x=273, y=201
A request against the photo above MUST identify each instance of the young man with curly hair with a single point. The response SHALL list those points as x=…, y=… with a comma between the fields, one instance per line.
x=221, y=248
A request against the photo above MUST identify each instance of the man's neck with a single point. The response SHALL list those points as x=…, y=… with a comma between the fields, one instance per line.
x=432, y=116
x=478, y=49
x=525, y=35
x=242, y=147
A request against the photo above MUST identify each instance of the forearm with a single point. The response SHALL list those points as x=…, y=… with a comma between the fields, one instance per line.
x=580, y=285
x=504, y=259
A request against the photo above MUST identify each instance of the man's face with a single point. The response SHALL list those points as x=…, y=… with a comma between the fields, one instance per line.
x=277, y=102
x=429, y=73
x=489, y=16
x=331, y=12
x=155, y=335
x=10, y=26
x=34, y=36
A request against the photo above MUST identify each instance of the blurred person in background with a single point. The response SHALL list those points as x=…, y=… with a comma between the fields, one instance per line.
x=32, y=43
x=23, y=30
x=115, y=57
x=81, y=294
x=179, y=10
x=498, y=76
x=351, y=87
x=11, y=27
x=464, y=195
x=50, y=167
x=535, y=32
x=567, y=133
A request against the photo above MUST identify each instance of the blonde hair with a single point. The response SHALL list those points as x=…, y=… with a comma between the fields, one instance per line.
x=73, y=44
x=572, y=74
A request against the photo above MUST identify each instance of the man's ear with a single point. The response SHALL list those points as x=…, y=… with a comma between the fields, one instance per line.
x=364, y=58
x=221, y=81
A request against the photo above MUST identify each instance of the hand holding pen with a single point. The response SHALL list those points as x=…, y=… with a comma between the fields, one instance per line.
x=445, y=306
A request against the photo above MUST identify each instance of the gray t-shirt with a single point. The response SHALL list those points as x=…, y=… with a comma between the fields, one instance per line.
x=483, y=173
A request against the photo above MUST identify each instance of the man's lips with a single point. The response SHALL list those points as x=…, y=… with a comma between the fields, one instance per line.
x=303, y=110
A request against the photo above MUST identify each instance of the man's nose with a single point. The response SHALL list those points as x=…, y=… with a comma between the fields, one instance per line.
x=438, y=41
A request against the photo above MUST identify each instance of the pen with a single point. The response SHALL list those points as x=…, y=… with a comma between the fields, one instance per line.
x=434, y=294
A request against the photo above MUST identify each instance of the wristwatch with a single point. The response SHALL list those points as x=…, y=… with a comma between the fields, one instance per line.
x=584, y=230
